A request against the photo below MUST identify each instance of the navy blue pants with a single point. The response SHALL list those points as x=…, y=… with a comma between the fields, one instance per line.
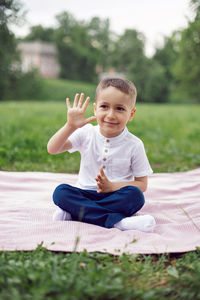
x=103, y=209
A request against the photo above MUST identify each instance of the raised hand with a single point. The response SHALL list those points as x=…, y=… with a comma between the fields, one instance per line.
x=75, y=114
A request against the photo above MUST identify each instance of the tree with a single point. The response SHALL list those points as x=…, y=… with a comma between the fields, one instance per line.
x=40, y=33
x=13, y=83
x=77, y=55
x=101, y=38
x=195, y=5
x=8, y=56
x=164, y=59
x=187, y=67
x=129, y=58
x=156, y=86
x=9, y=10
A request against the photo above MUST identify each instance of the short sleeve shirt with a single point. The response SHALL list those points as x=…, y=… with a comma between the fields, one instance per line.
x=122, y=157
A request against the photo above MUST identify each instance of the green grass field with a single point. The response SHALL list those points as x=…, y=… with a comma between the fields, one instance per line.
x=170, y=134
x=171, y=137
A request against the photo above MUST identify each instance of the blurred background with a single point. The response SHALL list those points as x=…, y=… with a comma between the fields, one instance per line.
x=47, y=46
x=50, y=50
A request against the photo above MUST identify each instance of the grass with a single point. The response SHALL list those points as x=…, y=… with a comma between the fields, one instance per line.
x=170, y=134
x=171, y=137
x=45, y=275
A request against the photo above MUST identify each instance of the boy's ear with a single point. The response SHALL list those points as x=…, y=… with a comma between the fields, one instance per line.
x=132, y=114
x=95, y=108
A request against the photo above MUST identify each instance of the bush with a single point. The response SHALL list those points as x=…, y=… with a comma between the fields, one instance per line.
x=30, y=86
x=60, y=89
x=24, y=86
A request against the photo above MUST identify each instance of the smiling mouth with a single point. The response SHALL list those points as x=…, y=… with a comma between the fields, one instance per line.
x=110, y=123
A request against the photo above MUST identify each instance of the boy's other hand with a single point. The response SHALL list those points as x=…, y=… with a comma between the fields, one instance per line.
x=75, y=114
x=103, y=184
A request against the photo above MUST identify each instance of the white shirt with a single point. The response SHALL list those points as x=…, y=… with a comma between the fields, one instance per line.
x=123, y=157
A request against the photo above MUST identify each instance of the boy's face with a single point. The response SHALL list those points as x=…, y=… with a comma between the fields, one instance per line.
x=113, y=109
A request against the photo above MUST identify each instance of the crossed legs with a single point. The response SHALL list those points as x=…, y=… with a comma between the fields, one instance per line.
x=109, y=210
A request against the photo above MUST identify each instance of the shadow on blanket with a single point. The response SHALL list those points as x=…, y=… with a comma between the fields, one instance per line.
x=26, y=210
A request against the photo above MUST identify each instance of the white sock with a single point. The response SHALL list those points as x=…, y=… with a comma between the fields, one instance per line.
x=61, y=215
x=144, y=223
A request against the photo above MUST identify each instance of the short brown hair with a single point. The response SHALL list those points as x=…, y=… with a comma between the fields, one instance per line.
x=124, y=85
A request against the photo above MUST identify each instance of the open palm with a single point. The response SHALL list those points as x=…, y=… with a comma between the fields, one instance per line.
x=76, y=113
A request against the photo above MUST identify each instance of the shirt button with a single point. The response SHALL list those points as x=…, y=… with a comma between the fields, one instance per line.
x=106, y=150
x=104, y=159
x=107, y=141
x=104, y=167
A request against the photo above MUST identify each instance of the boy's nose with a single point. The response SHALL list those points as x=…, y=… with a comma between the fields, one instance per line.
x=110, y=114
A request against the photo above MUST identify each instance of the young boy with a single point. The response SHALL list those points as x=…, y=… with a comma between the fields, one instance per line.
x=114, y=166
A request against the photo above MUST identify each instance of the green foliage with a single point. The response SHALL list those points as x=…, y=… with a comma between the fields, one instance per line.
x=129, y=58
x=156, y=85
x=25, y=86
x=13, y=84
x=187, y=68
x=172, y=74
x=76, y=54
x=8, y=53
x=170, y=134
x=163, y=77
x=101, y=38
x=8, y=56
x=10, y=12
x=152, y=77
x=68, y=276
x=40, y=33
x=195, y=4
x=168, y=54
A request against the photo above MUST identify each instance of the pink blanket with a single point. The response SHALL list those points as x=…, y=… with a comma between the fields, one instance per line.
x=26, y=210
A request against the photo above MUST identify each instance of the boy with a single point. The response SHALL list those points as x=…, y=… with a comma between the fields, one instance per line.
x=114, y=166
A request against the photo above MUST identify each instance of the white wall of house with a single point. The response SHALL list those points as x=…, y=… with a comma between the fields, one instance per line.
x=39, y=55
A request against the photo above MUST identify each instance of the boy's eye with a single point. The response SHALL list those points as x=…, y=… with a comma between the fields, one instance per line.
x=120, y=108
x=103, y=106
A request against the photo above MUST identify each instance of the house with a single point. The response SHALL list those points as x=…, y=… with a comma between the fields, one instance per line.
x=39, y=55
